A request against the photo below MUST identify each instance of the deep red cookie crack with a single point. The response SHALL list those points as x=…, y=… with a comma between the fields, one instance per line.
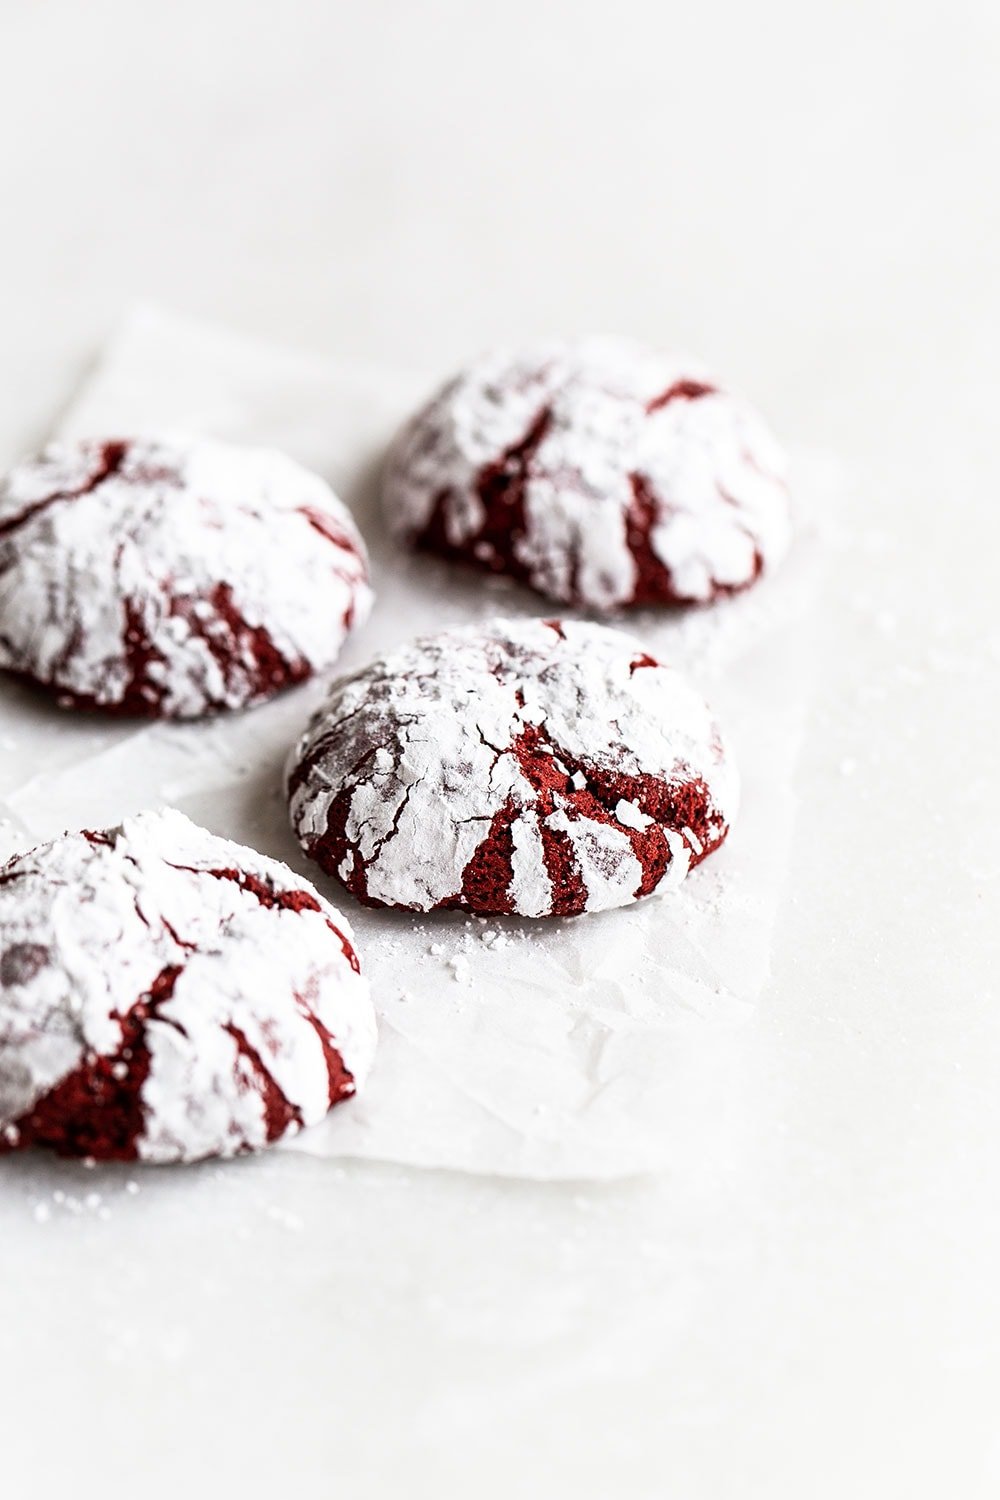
x=279, y=1112
x=328, y=528
x=681, y=390
x=333, y=846
x=270, y=670
x=549, y=770
x=500, y=487
x=269, y=896
x=726, y=589
x=236, y=648
x=487, y=877
x=653, y=580
x=96, y=1110
x=111, y=458
x=341, y=1082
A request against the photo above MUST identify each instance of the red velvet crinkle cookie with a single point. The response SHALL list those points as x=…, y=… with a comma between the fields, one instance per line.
x=173, y=578
x=599, y=473
x=166, y=995
x=536, y=767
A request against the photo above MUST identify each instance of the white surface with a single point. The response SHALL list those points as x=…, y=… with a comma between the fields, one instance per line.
x=804, y=197
x=575, y=1049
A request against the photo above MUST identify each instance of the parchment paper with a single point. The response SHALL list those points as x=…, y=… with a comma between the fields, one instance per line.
x=593, y=1047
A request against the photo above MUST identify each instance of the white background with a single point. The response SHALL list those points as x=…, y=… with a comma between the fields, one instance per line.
x=806, y=196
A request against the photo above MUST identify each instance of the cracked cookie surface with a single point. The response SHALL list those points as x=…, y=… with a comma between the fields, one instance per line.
x=534, y=767
x=173, y=577
x=599, y=473
x=166, y=995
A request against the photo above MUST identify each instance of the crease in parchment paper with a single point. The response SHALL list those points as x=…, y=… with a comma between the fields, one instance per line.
x=583, y=1048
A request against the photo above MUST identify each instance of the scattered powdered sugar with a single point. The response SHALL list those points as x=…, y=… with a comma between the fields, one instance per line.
x=168, y=995
x=62, y=1204
x=599, y=472
x=173, y=577
x=461, y=968
x=530, y=767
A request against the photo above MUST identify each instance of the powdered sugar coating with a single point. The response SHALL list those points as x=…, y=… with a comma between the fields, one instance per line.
x=173, y=577
x=598, y=472
x=535, y=767
x=167, y=995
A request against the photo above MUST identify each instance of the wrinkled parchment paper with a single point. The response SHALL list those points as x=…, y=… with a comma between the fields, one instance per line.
x=593, y=1047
